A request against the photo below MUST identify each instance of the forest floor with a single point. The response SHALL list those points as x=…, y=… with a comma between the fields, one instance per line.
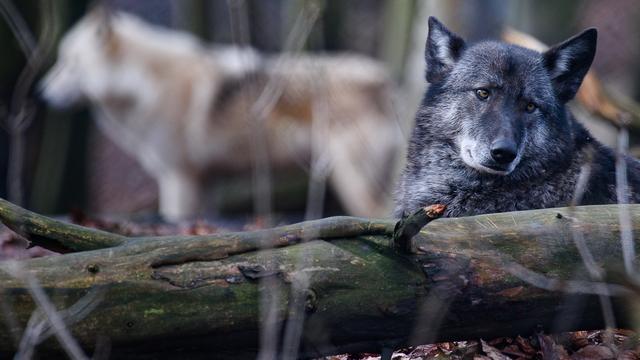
x=580, y=345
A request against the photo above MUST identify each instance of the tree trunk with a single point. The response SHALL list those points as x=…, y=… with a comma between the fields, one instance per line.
x=199, y=296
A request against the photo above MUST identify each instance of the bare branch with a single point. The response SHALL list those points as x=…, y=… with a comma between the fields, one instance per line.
x=37, y=327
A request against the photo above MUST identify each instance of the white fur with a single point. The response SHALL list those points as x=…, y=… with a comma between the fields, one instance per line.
x=236, y=61
x=564, y=58
x=442, y=43
x=562, y=63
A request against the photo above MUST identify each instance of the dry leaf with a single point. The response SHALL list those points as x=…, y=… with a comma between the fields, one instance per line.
x=493, y=353
x=592, y=352
x=511, y=292
x=525, y=346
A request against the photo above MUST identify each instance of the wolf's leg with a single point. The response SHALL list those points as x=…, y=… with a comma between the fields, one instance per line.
x=180, y=195
x=353, y=190
x=361, y=171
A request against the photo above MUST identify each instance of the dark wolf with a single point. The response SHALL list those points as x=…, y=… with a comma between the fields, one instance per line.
x=493, y=132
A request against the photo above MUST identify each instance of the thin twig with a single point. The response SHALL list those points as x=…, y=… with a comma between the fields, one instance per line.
x=622, y=194
x=68, y=343
x=596, y=273
x=18, y=27
x=22, y=111
x=321, y=161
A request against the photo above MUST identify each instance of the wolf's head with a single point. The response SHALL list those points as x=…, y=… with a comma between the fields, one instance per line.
x=501, y=105
x=113, y=57
x=83, y=68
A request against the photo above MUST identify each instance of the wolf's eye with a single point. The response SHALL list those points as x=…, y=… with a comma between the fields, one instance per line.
x=531, y=107
x=482, y=94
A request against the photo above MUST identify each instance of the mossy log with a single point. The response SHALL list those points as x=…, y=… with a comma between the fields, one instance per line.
x=199, y=296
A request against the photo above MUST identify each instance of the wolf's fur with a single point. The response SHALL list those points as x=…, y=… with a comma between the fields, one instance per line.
x=450, y=157
x=183, y=110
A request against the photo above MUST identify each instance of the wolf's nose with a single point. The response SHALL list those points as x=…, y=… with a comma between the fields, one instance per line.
x=503, y=151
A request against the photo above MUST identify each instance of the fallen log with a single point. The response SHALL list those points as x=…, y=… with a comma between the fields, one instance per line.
x=339, y=279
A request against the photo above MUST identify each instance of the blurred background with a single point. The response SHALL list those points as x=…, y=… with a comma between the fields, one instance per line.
x=55, y=162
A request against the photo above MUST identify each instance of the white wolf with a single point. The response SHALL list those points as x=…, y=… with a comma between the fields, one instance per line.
x=183, y=110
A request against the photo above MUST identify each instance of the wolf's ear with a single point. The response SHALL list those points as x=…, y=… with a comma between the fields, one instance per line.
x=568, y=62
x=102, y=14
x=442, y=51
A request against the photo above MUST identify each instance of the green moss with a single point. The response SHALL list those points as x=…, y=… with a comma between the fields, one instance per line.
x=153, y=312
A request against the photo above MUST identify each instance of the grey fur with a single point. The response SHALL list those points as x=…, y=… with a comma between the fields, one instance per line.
x=450, y=158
